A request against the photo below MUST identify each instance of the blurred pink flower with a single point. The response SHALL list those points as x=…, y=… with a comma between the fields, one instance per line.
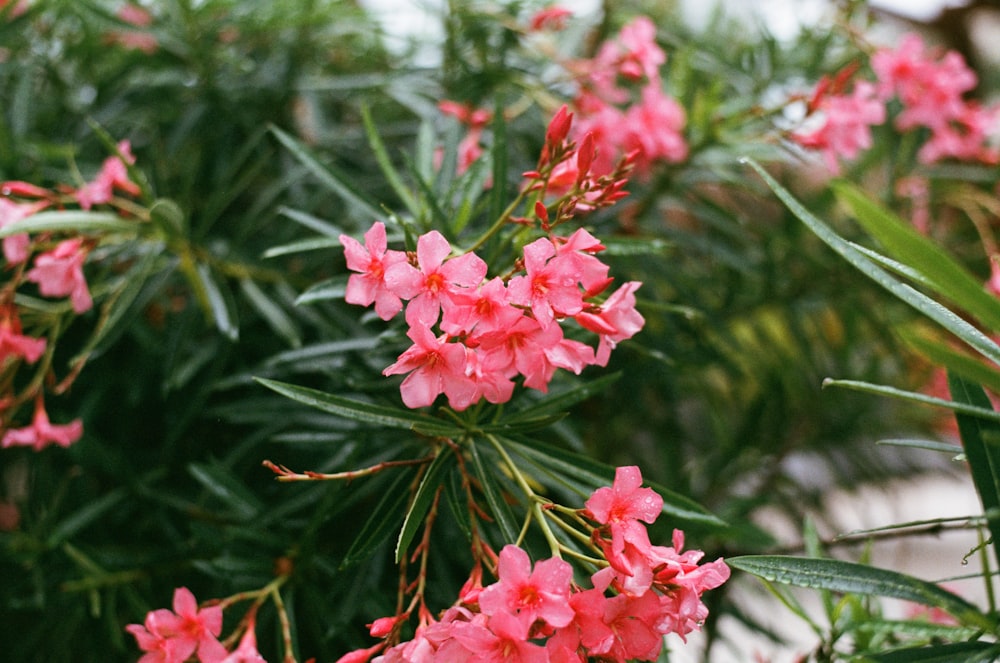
x=12, y=342
x=59, y=272
x=846, y=124
x=113, y=175
x=41, y=433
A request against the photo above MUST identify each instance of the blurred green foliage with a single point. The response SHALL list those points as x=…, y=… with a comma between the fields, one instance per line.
x=249, y=115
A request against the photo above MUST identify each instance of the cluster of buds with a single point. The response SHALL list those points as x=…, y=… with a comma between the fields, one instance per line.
x=540, y=615
x=53, y=266
x=491, y=330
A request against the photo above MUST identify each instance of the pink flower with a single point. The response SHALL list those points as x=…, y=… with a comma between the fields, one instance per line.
x=615, y=320
x=542, y=593
x=158, y=648
x=245, y=652
x=435, y=366
x=504, y=640
x=550, y=286
x=625, y=500
x=522, y=349
x=436, y=279
x=60, y=272
x=15, y=344
x=654, y=128
x=16, y=247
x=846, y=128
x=41, y=433
x=371, y=262
x=482, y=310
x=682, y=582
x=181, y=632
x=113, y=175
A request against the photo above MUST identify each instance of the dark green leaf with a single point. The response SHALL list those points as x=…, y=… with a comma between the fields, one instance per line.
x=981, y=441
x=558, y=403
x=85, y=515
x=385, y=519
x=434, y=478
x=221, y=482
x=312, y=244
x=955, y=652
x=500, y=510
x=851, y=578
x=368, y=413
x=337, y=182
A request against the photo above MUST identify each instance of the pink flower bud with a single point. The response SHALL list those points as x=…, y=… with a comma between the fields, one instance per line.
x=559, y=126
x=383, y=626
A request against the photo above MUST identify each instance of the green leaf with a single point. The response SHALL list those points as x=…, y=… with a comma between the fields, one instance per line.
x=851, y=578
x=311, y=222
x=558, y=403
x=333, y=288
x=312, y=244
x=336, y=181
x=221, y=482
x=924, y=399
x=426, y=494
x=78, y=221
x=279, y=321
x=382, y=522
x=368, y=413
x=498, y=154
x=929, y=445
x=85, y=515
x=940, y=354
x=919, y=301
x=385, y=163
x=981, y=440
x=495, y=500
x=921, y=253
x=591, y=474
x=218, y=306
x=955, y=652
x=169, y=217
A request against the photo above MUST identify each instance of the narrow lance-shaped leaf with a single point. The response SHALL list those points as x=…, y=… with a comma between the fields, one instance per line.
x=851, y=578
x=434, y=478
x=882, y=390
x=922, y=303
x=499, y=508
x=981, y=441
x=953, y=652
x=335, y=181
x=78, y=221
x=369, y=413
x=921, y=253
x=383, y=521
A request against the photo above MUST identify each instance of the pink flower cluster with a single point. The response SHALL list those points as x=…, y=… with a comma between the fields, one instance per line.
x=491, y=330
x=539, y=615
x=175, y=636
x=622, y=103
x=55, y=272
x=930, y=91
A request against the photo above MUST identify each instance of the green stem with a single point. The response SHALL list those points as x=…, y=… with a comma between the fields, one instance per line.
x=535, y=509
